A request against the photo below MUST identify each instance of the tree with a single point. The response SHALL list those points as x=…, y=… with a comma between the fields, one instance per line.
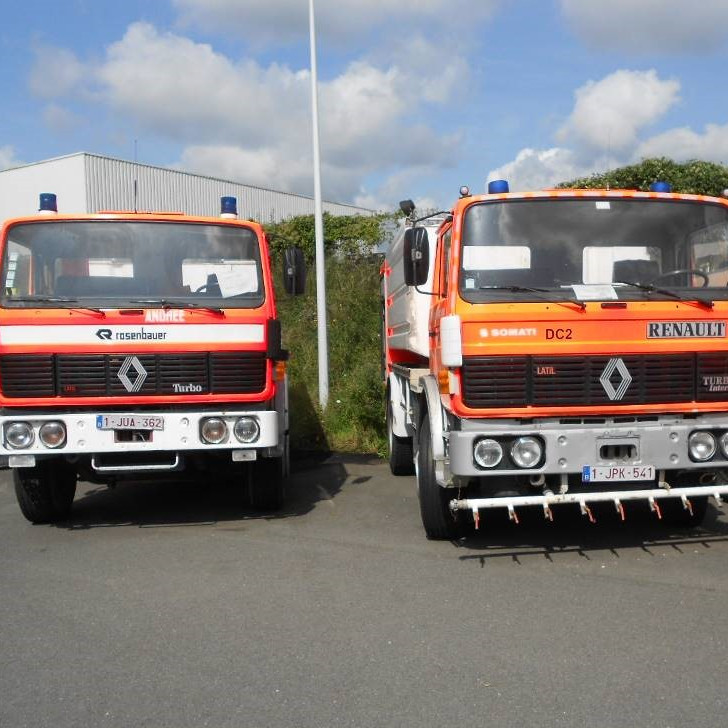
x=692, y=177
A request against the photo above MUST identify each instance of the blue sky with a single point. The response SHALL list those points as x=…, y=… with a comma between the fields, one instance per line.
x=417, y=96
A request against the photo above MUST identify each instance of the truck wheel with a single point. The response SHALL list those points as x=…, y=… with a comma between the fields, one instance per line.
x=437, y=518
x=267, y=490
x=45, y=492
x=400, y=448
x=673, y=513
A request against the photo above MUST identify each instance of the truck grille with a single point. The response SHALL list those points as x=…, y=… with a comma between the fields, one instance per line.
x=100, y=375
x=496, y=381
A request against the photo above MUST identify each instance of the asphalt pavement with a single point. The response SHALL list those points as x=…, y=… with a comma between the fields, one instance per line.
x=175, y=605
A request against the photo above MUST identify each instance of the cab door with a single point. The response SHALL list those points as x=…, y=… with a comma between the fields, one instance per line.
x=440, y=288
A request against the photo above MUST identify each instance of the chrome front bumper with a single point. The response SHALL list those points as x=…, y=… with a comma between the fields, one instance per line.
x=569, y=447
x=181, y=433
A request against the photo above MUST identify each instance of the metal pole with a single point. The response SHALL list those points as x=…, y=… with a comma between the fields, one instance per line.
x=323, y=346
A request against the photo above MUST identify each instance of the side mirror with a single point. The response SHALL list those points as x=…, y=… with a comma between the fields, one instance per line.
x=416, y=256
x=294, y=271
x=407, y=207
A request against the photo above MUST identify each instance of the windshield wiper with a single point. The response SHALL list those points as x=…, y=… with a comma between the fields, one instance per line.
x=525, y=289
x=54, y=299
x=648, y=288
x=167, y=303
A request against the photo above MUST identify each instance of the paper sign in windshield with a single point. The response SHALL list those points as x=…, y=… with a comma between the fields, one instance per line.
x=594, y=293
x=238, y=278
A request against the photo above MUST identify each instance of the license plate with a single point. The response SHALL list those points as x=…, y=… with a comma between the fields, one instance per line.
x=617, y=473
x=129, y=422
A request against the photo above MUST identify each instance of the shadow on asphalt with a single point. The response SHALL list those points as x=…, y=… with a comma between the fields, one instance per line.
x=571, y=532
x=205, y=501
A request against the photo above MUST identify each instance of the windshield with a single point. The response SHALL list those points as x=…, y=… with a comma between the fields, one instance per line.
x=592, y=248
x=115, y=263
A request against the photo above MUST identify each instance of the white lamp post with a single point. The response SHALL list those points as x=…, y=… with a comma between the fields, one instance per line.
x=323, y=346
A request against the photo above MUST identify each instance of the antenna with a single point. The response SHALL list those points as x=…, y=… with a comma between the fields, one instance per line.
x=136, y=183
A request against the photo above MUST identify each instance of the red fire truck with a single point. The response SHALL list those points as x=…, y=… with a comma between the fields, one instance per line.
x=560, y=347
x=139, y=345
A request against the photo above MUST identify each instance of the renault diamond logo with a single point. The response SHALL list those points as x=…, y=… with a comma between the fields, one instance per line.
x=131, y=362
x=615, y=365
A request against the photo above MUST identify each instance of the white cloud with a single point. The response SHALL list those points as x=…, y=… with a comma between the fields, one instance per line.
x=536, y=169
x=56, y=72
x=8, y=158
x=608, y=114
x=271, y=167
x=279, y=22
x=602, y=131
x=185, y=90
x=397, y=187
x=60, y=119
x=650, y=26
x=252, y=123
x=684, y=143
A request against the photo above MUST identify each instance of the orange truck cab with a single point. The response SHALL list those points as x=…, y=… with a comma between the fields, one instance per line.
x=138, y=346
x=560, y=347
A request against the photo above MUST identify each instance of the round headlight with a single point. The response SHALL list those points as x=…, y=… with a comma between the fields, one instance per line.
x=724, y=444
x=214, y=430
x=526, y=452
x=19, y=435
x=487, y=453
x=52, y=434
x=246, y=429
x=701, y=445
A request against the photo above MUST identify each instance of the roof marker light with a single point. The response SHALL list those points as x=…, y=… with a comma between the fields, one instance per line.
x=465, y=191
x=660, y=187
x=498, y=186
x=48, y=202
x=228, y=207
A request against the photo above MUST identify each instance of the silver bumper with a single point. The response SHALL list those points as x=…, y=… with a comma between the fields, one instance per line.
x=181, y=433
x=569, y=447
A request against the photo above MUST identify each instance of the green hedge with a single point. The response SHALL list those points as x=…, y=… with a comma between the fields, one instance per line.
x=354, y=418
x=691, y=177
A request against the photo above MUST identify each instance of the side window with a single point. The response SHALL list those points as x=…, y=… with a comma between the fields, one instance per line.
x=18, y=270
x=708, y=252
x=445, y=261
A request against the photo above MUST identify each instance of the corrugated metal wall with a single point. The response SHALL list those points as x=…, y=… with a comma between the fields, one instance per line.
x=110, y=186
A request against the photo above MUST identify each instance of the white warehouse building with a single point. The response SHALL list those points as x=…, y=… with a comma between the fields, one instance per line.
x=87, y=182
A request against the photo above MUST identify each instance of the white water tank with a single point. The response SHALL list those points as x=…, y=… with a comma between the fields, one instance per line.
x=407, y=309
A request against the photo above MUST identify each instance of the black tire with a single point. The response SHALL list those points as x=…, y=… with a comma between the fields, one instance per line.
x=267, y=483
x=673, y=513
x=401, y=460
x=437, y=518
x=45, y=492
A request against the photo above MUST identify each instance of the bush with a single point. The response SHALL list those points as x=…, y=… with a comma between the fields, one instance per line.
x=692, y=177
x=354, y=418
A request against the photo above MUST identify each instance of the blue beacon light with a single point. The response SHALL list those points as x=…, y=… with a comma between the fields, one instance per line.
x=660, y=187
x=498, y=186
x=48, y=202
x=229, y=206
